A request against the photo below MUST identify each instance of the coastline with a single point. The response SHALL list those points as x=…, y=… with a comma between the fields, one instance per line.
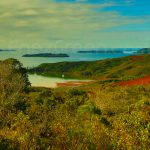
x=65, y=84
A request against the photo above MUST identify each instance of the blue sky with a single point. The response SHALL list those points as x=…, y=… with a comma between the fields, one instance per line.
x=74, y=23
x=125, y=7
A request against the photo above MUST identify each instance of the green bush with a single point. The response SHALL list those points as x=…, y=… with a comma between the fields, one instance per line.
x=105, y=121
x=89, y=107
x=76, y=92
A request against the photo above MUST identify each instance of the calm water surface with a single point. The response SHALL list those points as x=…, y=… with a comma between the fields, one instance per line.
x=50, y=82
x=74, y=56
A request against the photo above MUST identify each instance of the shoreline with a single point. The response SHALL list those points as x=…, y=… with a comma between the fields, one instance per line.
x=51, y=82
x=64, y=84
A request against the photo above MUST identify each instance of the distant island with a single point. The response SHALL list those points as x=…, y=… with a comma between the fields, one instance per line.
x=45, y=55
x=143, y=51
x=101, y=51
x=1, y=50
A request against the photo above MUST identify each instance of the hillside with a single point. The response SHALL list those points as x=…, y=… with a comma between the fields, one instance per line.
x=143, y=51
x=124, y=68
x=101, y=116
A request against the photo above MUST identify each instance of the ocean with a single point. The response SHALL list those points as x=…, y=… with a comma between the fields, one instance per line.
x=73, y=53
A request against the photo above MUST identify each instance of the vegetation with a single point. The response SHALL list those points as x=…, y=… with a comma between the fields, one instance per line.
x=101, y=116
x=125, y=68
x=144, y=51
x=46, y=55
x=13, y=81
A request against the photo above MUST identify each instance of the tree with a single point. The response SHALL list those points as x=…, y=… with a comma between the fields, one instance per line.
x=13, y=81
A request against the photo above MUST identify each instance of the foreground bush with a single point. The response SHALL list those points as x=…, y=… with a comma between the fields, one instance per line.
x=13, y=82
x=104, y=117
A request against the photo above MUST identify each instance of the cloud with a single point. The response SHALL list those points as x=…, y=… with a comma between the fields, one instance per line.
x=45, y=21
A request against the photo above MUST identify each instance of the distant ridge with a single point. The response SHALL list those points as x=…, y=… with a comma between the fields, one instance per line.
x=143, y=51
x=101, y=51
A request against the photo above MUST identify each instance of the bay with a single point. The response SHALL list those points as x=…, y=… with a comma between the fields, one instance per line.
x=51, y=82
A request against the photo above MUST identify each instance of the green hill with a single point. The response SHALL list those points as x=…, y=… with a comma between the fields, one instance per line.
x=121, y=68
x=143, y=51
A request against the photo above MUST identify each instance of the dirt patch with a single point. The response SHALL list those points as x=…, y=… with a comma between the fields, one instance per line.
x=139, y=81
x=70, y=84
x=137, y=58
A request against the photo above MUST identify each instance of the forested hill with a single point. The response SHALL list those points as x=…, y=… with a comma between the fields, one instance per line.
x=122, y=68
x=144, y=51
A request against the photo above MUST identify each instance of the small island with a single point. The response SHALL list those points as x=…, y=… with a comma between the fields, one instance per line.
x=101, y=51
x=1, y=50
x=45, y=55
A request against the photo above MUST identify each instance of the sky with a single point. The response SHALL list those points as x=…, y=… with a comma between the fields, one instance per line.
x=74, y=24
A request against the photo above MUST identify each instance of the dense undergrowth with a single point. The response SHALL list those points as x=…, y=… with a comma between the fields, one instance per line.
x=93, y=117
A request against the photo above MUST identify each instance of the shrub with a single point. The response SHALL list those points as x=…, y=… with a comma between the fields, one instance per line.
x=110, y=113
x=76, y=92
x=89, y=107
x=13, y=81
x=105, y=121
